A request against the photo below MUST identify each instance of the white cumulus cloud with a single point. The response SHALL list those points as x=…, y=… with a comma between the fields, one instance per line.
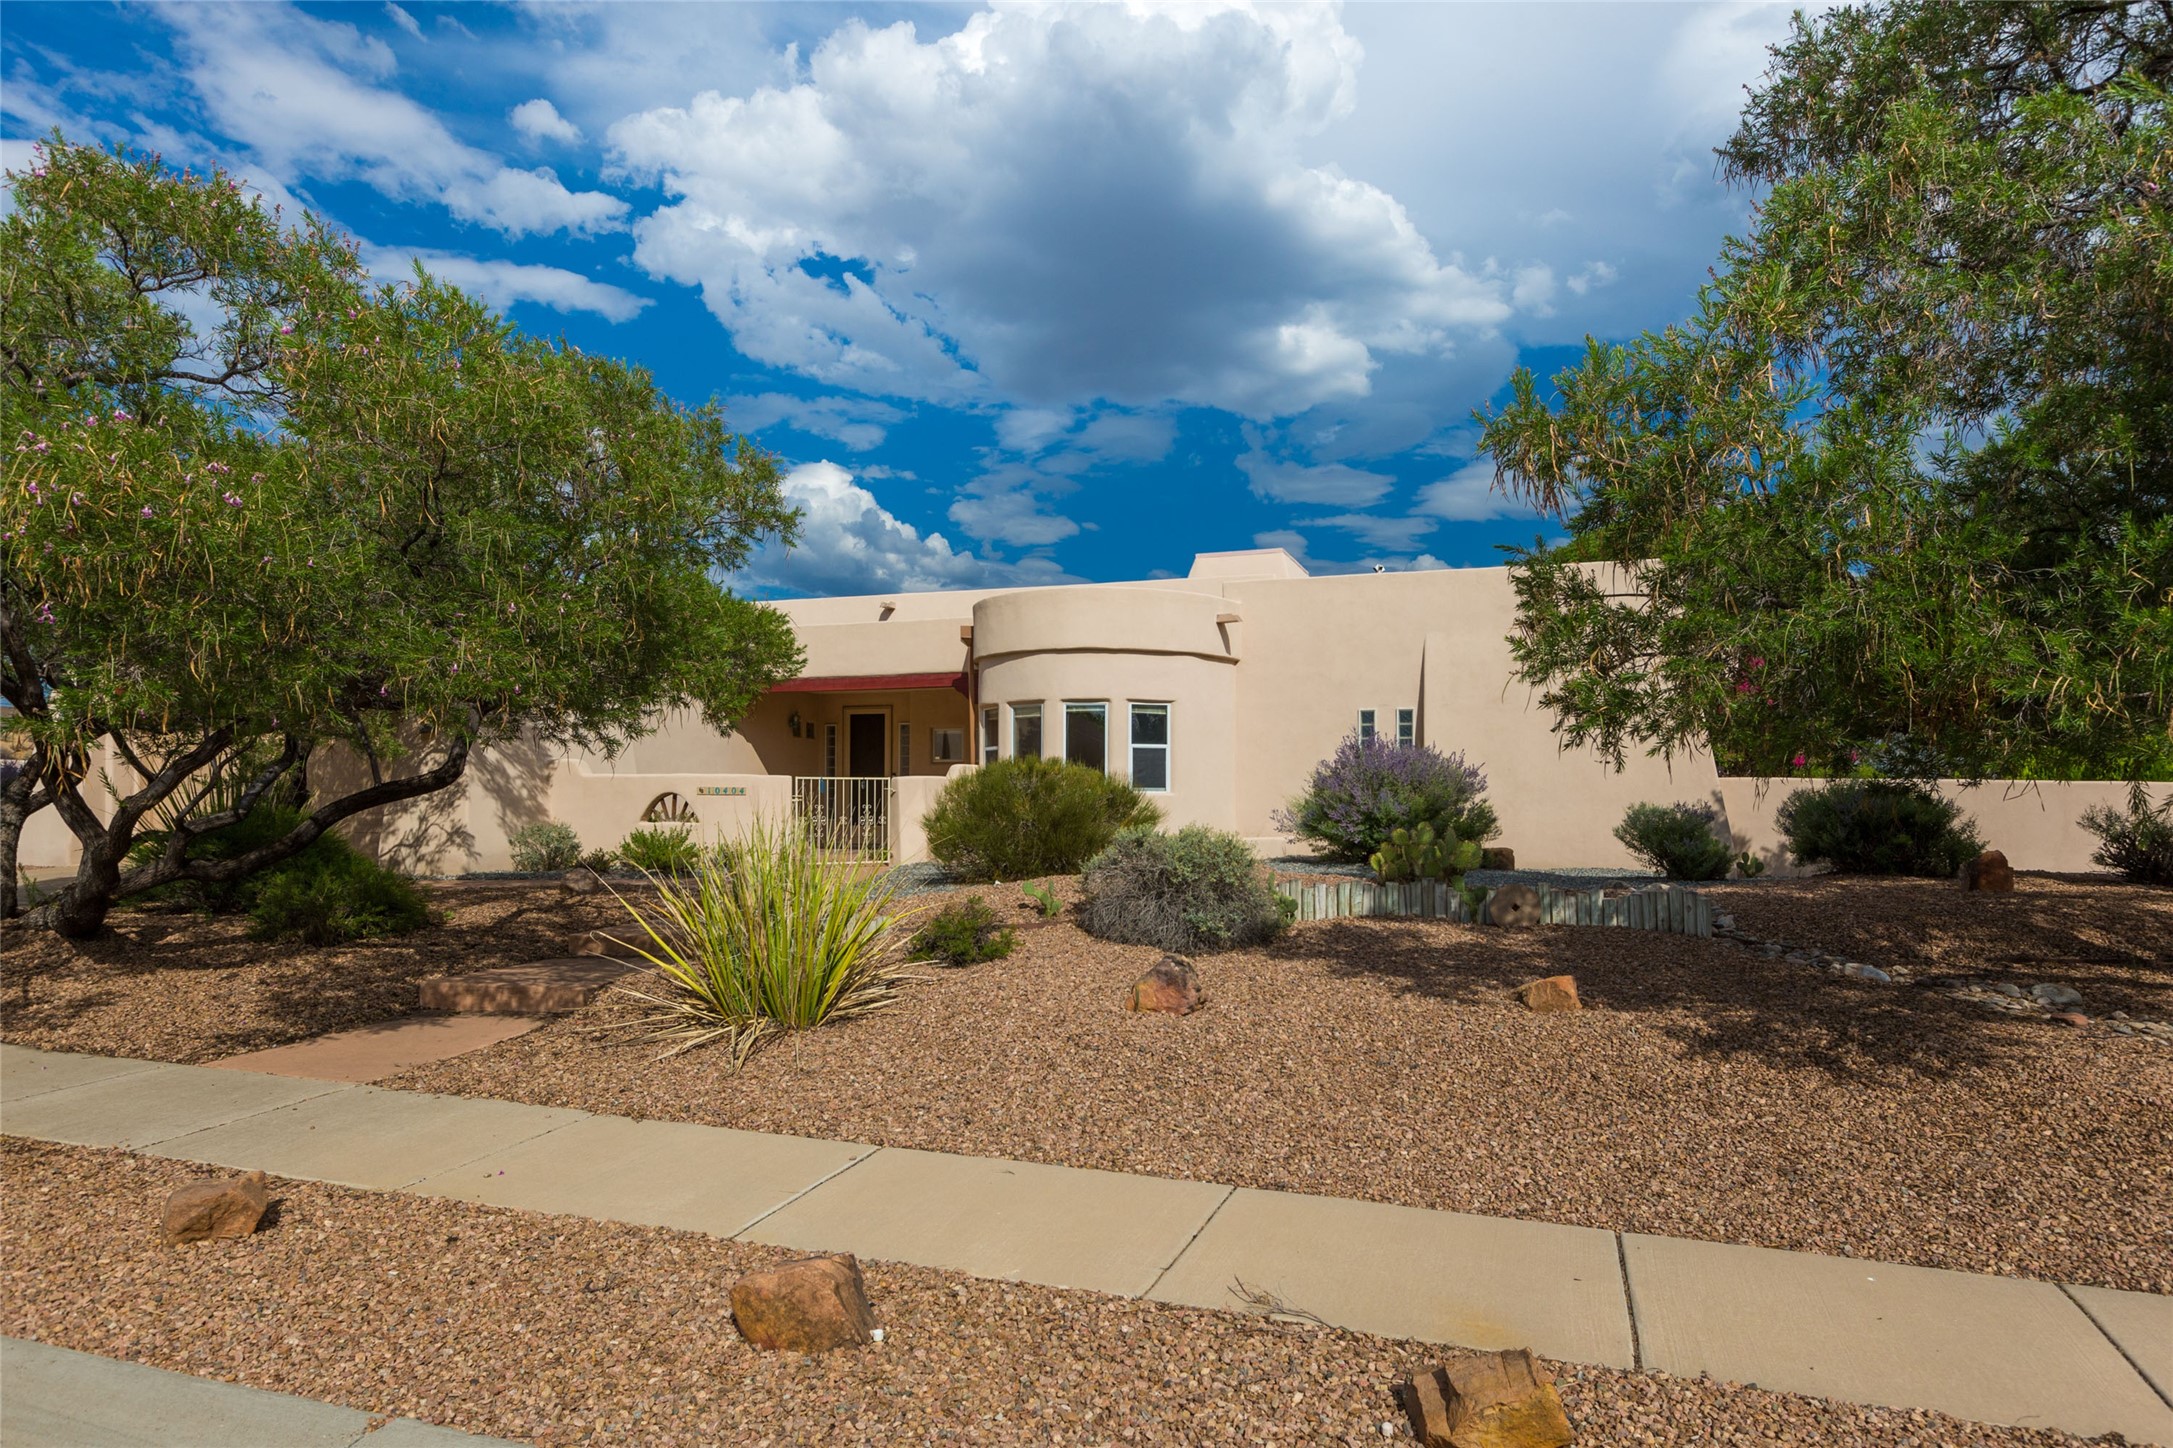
x=311, y=97
x=539, y=120
x=502, y=283
x=849, y=543
x=1053, y=206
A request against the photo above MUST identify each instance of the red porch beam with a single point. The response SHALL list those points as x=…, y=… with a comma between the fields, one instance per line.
x=858, y=683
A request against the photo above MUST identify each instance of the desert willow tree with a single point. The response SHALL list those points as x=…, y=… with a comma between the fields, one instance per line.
x=1901, y=492
x=257, y=507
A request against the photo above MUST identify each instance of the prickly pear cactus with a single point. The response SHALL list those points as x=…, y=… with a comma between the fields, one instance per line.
x=1418, y=854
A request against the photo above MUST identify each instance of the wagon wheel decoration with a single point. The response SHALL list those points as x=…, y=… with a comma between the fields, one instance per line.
x=668, y=808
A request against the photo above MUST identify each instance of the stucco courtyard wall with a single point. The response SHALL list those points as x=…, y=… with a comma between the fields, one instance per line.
x=2033, y=822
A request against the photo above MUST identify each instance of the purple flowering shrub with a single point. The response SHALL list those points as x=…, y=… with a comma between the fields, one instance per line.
x=1371, y=788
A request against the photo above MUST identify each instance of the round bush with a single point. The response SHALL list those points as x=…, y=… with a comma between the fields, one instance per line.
x=332, y=893
x=1017, y=819
x=1681, y=841
x=1371, y=788
x=545, y=847
x=2138, y=843
x=1878, y=827
x=1198, y=889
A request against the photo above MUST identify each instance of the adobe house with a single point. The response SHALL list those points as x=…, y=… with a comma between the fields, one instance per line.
x=1216, y=692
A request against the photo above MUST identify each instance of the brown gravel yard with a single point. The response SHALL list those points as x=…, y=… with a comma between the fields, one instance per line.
x=558, y=1330
x=1705, y=1092
x=170, y=985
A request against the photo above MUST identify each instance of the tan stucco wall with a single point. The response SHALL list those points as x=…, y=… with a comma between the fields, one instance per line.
x=2032, y=822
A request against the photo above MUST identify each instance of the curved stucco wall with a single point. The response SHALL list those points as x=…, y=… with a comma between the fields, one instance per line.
x=1120, y=620
x=1201, y=693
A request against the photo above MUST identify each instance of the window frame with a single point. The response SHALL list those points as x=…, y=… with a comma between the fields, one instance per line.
x=991, y=733
x=937, y=754
x=830, y=751
x=1100, y=706
x=1132, y=710
x=1368, y=727
x=1040, y=715
x=1407, y=727
x=904, y=764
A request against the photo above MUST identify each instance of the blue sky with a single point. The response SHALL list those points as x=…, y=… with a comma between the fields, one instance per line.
x=1018, y=294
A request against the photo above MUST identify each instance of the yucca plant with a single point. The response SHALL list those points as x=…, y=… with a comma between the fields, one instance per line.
x=776, y=934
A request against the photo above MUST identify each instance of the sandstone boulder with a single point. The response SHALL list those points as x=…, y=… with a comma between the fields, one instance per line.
x=1513, y=905
x=215, y=1207
x=1493, y=1400
x=1173, y=986
x=1550, y=993
x=814, y=1305
x=1989, y=872
x=580, y=881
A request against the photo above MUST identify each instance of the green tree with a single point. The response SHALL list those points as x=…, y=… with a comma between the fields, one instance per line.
x=1900, y=489
x=257, y=506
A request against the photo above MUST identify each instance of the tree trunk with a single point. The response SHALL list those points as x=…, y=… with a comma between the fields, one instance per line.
x=81, y=909
x=15, y=810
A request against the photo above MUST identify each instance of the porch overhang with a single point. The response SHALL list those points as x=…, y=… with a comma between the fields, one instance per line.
x=866, y=683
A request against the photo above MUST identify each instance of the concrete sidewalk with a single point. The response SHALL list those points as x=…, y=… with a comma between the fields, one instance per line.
x=54, y=1398
x=1991, y=1349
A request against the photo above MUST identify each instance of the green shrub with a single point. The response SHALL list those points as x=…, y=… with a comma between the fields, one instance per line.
x=1418, y=854
x=329, y=896
x=789, y=937
x=1878, y=827
x=601, y=861
x=260, y=827
x=965, y=932
x=2138, y=842
x=1019, y=818
x=545, y=848
x=1681, y=841
x=668, y=850
x=1198, y=889
x=1370, y=788
x=1046, y=900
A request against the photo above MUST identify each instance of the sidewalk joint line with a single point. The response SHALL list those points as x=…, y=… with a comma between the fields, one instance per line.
x=1629, y=1302
x=1227, y=1193
x=2164, y=1395
x=744, y=1228
x=330, y=1088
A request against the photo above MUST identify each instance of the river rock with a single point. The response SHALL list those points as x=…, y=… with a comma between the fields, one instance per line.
x=1172, y=986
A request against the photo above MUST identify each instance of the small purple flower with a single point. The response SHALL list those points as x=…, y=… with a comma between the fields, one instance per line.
x=1798, y=761
x=120, y=414
x=286, y=329
x=232, y=500
x=147, y=511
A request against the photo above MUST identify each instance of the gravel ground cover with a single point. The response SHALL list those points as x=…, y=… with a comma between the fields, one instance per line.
x=558, y=1330
x=171, y=985
x=1705, y=1091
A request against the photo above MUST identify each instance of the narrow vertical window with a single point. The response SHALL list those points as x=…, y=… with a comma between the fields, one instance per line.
x=1407, y=726
x=830, y=749
x=1365, y=726
x=989, y=715
x=905, y=749
x=1086, y=735
x=1150, y=746
x=1025, y=731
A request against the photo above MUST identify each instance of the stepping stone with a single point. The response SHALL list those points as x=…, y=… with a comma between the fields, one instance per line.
x=373, y=1052
x=539, y=988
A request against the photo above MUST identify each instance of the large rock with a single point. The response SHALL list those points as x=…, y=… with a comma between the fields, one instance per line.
x=595, y=942
x=215, y=1207
x=1173, y=986
x=1497, y=857
x=1494, y=1400
x=1513, y=905
x=580, y=881
x=1989, y=872
x=1551, y=993
x=815, y=1305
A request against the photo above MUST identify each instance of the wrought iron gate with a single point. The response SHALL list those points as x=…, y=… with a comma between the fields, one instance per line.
x=847, y=812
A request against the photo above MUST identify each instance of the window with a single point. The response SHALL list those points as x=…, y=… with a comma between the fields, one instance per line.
x=988, y=734
x=947, y=746
x=1407, y=726
x=1025, y=731
x=1086, y=735
x=1365, y=726
x=1150, y=746
x=905, y=749
x=830, y=749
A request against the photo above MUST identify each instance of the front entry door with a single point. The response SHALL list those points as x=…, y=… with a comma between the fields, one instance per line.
x=866, y=745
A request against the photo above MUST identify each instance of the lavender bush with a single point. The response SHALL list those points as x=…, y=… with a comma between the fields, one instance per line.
x=1371, y=788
